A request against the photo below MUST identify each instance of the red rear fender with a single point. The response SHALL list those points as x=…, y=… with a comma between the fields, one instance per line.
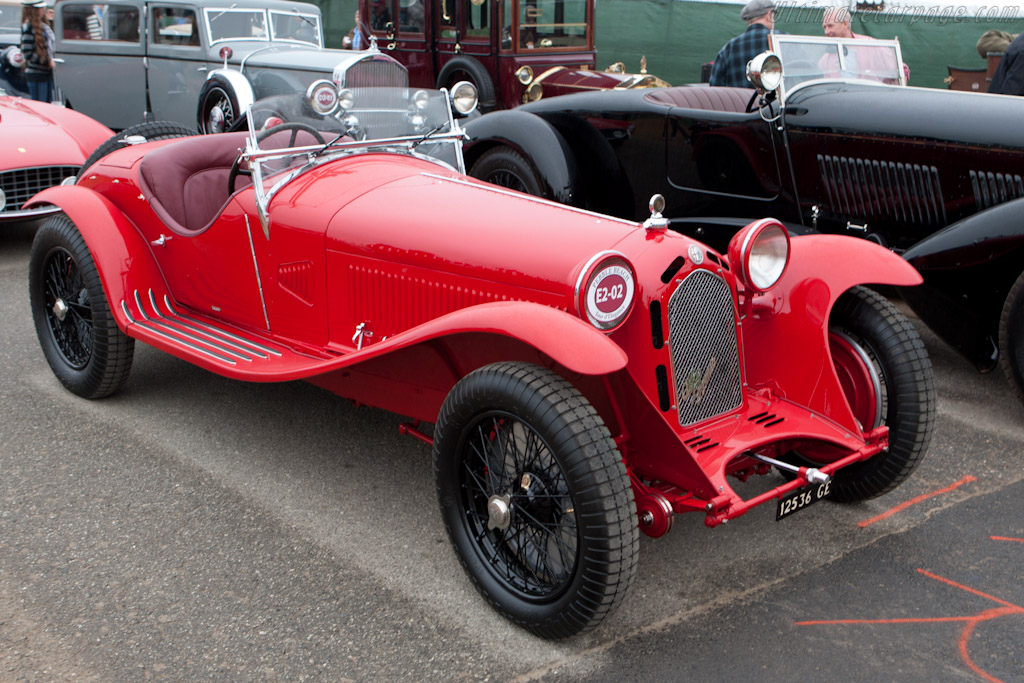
x=122, y=256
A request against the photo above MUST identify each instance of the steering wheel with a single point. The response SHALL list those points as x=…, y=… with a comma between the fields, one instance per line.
x=294, y=126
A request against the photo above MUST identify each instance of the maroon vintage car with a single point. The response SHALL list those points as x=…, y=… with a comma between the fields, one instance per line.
x=588, y=377
x=513, y=51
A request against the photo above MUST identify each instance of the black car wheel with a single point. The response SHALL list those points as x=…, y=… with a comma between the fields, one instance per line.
x=886, y=374
x=150, y=130
x=80, y=339
x=1011, y=337
x=535, y=498
x=218, y=108
x=505, y=167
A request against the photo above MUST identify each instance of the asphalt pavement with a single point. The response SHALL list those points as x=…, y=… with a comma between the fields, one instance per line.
x=197, y=528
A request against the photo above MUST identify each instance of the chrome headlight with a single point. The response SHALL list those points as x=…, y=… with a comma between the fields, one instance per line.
x=464, y=97
x=765, y=71
x=523, y=73
x=605, y=290
x=346, y=99
x=760, y=253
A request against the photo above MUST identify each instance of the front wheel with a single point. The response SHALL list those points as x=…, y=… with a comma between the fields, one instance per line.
x=535, y=498
x=1011, y=337
x=86, y=350
x=886, y=374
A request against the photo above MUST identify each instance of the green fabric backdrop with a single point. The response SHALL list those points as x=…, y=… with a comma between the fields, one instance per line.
x=678, y=36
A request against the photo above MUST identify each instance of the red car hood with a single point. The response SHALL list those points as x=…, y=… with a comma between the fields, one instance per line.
x=39, y=134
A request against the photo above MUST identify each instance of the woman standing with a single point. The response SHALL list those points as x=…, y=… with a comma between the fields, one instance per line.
x=37, y=46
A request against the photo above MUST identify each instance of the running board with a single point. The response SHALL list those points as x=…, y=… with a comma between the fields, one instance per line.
x=230, y=351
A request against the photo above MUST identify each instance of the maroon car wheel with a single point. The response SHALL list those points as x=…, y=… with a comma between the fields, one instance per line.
x=80, y=339
x=535, y=498
x=1011, y=337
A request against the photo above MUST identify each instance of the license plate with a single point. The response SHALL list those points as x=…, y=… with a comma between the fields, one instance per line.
x=799, y=499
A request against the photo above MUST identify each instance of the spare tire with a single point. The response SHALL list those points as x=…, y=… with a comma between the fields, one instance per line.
x=150, y=130
x=468, y=69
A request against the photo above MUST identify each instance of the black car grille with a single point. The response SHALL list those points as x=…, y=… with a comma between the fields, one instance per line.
x=705, y=355
x=19, y=186
x=868, y=189
x=995, y=188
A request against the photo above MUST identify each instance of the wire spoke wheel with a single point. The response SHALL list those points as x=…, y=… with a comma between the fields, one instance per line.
x=82, y=343
x=68, y=311
x=535, y=498
x=518, y=506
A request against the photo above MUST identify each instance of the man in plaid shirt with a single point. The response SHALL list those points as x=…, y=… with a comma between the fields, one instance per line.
x=730, y=67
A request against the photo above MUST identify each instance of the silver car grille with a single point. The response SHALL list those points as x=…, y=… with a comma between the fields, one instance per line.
x=19, y=186
x=376, y=73
x=705, y=354
x=995, y=188
x=866, y=188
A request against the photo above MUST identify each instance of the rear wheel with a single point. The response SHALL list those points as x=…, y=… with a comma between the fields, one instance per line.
x=86, y=350
x=150, y=130
x=885, y=372
x=535, y=498
x=1011, y=337
x=505, y=167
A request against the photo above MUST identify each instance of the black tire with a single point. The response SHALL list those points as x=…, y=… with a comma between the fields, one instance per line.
x=151, y=130
x=1011, y=337
x=868, y=325
x=218, y=107
x=469, y=69
x=505, y=167
x=521, y=442
x=86, y=350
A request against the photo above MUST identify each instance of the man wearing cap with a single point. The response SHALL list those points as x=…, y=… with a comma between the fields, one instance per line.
x=730, y=67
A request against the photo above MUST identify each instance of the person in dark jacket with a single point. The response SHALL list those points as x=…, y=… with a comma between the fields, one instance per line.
x=730, y=67
x=37, y=46
x=1009, y=76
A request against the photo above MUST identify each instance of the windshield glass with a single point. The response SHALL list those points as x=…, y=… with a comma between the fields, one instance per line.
x=805, y=58
x=237, y=24
x=288, y=136
x=293, y=26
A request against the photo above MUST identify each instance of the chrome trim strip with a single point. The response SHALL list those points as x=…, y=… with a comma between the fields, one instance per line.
x=256, y=267
x=184, y=342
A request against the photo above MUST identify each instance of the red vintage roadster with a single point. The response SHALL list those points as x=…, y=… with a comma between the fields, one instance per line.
x=587, y=377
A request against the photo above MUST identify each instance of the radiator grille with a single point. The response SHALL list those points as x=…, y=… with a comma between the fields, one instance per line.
x=375, y=73
x=705, y=355
x=868, y=189
x=995, y=188
x=19, y=186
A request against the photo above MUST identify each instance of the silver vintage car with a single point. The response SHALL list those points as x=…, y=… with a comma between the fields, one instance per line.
x=198, y=64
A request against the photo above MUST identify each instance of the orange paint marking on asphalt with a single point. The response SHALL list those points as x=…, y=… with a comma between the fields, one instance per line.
x=1006, y=538
x=903, y=506
x=972, y=622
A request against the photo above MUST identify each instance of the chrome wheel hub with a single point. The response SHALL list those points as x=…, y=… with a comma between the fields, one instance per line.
x=60, y=309
x=499, y=512
x=215, y=120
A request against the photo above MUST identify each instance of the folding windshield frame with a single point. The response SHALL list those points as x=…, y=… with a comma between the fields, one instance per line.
x=790, y=48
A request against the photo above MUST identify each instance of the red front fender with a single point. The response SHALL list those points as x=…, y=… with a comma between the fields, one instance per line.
x=122, y=256
x=785, y=330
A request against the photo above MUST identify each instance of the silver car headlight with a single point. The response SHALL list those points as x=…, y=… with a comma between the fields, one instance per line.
x=760, y=254
x=464, y=97
x=765, y=71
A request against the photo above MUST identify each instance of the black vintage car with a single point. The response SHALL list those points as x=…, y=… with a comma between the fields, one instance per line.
x=832, y=141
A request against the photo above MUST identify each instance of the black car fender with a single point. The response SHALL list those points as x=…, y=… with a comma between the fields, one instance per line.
x=535, y=140
x=968, y=269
